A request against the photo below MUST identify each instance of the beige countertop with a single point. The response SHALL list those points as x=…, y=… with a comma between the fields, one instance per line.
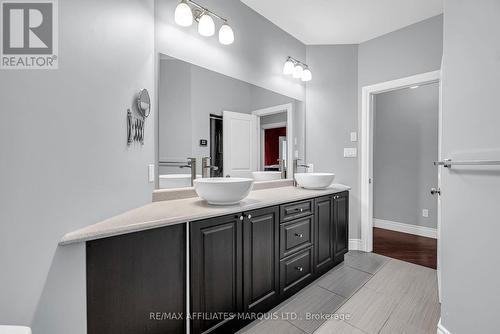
x=165, y=213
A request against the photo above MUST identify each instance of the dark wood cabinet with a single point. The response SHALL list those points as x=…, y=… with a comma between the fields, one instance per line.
x=234, y=267
x=296, y=235
x=260, y=259
x=216, y=272
x=244, y=263
x=341, y=225
x=296, y=271
x=324, y=234
x=135, y=280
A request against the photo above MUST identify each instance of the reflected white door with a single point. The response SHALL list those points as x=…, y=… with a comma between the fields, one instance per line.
x=240, y=143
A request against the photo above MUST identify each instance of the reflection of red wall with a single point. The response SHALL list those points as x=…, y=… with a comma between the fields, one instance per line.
x=272, y=145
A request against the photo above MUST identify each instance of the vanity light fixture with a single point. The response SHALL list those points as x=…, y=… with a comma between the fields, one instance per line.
x=289, y=66
x=183, y=14
x=206, y=25
x=226, y=34
x=297, y=69
x=306, y=75
x=187, y=10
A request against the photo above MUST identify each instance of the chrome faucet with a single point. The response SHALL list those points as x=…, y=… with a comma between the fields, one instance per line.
x=282, y=168
x=205, y=167
x=191, y=164
x=296, y=166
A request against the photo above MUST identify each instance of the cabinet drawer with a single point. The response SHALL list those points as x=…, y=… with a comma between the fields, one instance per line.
x=295, y=271
x=296, y=210
x=295, y=235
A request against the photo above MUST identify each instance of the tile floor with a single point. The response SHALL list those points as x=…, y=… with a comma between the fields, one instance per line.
x=368, y=293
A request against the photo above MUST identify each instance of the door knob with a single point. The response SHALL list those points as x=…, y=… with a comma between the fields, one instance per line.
x=435, y=191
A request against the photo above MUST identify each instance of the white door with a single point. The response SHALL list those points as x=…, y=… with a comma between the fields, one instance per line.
x=240, y=133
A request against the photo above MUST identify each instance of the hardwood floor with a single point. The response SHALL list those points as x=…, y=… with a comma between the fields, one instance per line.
x=406, y=247
x=368, y=293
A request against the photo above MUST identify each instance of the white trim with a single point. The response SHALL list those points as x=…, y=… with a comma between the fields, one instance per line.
x=422, y=231
x=366, y=144
x=440, y=170
x=354, y=244
x=441, y=329
x=273, y=125
x=288, y=107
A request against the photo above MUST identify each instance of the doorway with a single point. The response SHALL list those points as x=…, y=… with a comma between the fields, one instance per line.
x=369, y=96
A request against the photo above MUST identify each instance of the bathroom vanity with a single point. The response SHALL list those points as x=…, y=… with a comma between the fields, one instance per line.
x=150, y=267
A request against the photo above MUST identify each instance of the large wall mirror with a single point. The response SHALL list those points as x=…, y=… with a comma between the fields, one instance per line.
x=212, y=125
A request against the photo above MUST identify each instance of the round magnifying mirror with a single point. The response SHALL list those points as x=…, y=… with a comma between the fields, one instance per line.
x=144, y=103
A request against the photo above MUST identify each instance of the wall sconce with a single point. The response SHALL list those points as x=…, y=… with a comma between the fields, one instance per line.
x=185, y=15
x=297, y=69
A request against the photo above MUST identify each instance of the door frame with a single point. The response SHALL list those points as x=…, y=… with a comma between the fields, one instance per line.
x=366, y=170
x=263, y=128
x=288, y=108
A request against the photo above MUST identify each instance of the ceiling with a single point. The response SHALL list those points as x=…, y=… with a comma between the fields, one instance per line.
x=343, y=21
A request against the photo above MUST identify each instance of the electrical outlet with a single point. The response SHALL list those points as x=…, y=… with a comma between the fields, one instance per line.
x=151, y=173
x=425, y=213
x=354, y=136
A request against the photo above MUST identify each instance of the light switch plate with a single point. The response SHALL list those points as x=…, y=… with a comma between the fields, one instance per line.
x=354, y=136
x=350, y=152
x=425, y=213
x=151, y=173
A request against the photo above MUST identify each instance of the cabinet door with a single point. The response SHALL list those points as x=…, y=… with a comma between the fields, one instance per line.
x=260, y=259
x=341, y=223
x=131, y=277
x=324, y=234
x=215, y=270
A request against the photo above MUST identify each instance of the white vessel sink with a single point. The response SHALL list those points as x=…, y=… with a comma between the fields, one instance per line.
x=314, y=180
x=266, y=176
x=223, y=190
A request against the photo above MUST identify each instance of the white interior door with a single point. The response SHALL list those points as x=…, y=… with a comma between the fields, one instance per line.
x=240, y=144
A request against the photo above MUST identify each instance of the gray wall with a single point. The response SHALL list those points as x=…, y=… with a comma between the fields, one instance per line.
x=411, y=50
x=176, y=119
x=405, y=145
x=65, y=163
x=331, y=105
x=64, y=160
x=470, y=195
x=257, y=55
x=333, y=111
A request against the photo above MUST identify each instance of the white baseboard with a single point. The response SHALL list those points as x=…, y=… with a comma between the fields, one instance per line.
x=354, y=244
x=441, y=329
x=406, y=228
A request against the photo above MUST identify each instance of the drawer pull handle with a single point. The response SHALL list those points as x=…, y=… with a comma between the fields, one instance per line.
x=241, y=217
x=249, y=216
x=299, y=268
x=299, y=235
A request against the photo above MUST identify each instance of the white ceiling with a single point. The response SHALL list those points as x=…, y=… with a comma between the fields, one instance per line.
x=343, y=21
